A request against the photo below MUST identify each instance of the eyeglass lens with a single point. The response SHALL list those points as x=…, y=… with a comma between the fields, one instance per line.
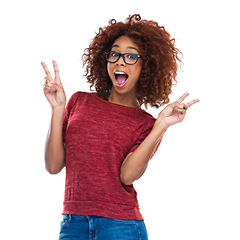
x=129, y=58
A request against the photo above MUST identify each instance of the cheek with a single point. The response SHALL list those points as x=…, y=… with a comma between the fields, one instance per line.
x=109, y=69
x=137, y=71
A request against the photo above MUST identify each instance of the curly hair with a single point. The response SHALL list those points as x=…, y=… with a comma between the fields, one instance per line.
x=159, y=69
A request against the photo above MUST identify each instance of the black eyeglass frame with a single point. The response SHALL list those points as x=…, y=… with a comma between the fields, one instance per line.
x=123, y=56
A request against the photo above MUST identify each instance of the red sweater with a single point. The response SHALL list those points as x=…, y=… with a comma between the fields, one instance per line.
x=98, y=135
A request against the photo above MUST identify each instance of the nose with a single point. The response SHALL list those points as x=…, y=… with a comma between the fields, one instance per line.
x=120, y=61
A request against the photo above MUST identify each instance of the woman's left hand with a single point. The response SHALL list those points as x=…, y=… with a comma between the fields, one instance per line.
x=175, y=112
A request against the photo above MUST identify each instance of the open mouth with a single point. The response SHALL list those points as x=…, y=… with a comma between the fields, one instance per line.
x=120, y=78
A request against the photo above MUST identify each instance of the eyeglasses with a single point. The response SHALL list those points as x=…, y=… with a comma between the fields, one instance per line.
x=128, y=58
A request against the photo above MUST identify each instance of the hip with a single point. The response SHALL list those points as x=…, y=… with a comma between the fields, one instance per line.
x=87, y=227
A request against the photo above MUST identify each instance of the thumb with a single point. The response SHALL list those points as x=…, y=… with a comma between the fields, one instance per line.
x=179, y=105
x=55, y=87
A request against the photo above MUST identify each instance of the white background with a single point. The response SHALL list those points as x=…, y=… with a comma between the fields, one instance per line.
x=191, y=188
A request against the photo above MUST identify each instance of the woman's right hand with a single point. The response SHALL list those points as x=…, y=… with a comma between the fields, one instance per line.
x=53, y=89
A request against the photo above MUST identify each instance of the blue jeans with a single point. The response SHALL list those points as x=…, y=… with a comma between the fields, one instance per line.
x=81, y=227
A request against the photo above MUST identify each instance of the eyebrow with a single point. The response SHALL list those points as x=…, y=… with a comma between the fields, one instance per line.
x=127, y=47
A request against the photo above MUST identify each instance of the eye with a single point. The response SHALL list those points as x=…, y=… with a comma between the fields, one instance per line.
x=131, y=56
x=113, y=54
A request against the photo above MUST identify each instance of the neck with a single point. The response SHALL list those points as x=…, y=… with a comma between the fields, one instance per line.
x=125, y=100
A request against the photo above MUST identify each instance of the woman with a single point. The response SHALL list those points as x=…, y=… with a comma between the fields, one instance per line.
x=104, y=139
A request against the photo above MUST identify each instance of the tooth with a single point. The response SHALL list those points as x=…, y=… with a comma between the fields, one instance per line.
x=120, y=73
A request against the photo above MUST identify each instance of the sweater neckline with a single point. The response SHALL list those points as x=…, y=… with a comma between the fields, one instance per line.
x=118, y=105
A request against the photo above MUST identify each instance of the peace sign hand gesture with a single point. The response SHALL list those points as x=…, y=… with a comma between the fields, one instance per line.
x=175, y=112
x=53, y=89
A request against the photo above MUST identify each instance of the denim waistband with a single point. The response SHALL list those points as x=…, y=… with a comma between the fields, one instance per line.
x=88, y=226
x=73, y=216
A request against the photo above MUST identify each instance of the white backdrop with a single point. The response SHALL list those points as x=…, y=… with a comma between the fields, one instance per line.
x=191, y=188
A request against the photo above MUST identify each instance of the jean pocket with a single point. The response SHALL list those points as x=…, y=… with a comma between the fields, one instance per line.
x=63, y=224
x=122, y=221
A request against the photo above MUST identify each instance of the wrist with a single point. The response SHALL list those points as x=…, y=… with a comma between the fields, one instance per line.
x=160, y=126
x=158, y=130
x=58, y=110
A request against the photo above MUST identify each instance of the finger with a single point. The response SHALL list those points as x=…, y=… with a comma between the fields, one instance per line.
x=46, y=70
x=184, y=106
x=56, y=71
x=189, y=104
x=48, y=81
x=51, y=87
x=46, y=89
x=182, y=97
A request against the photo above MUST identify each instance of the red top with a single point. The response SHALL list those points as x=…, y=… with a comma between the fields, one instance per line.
x=98, y=135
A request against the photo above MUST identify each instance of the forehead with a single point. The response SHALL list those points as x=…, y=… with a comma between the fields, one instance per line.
x=124, y=43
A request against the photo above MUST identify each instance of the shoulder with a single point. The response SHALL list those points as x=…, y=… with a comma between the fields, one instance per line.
x=148, y=121
x=77, y=97
x=81, y=94
x=147, y=117
x=146, y=125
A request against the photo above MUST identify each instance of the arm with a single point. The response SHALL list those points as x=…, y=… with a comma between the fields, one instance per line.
x=54, y=148
x=136, y=162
